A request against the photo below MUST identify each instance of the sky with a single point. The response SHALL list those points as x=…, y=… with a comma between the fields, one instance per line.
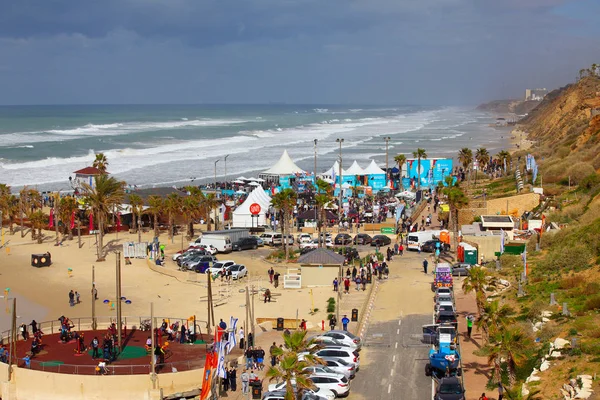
x=427, y=52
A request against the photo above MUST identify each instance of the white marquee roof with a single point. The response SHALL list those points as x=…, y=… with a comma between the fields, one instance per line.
x=373, y=169
x=334, y=170
x=285, y=166
x=254, y=197
x=354, y=169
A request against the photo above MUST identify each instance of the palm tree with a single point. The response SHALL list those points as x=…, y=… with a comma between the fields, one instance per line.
x=137, y=207
x=465, y=158
x=456, y=200
x=172, y=208
x=516, y=393
x=189, y=211
x=324, y=197
x=29, y=200
x=502, y=156
x=483, y=157
x=493, y=318
x=12, y=210
x=419, y=154
x=68, y=206
x=156, y=204
x=38, y=220
x=511, y=346
x=594, y=69
x=100, y=163
x=4, y=201
x=290, y=368
x=284, y=201
x=476, y=281
x=102, y=199
x=400, y=159
x=208, y=203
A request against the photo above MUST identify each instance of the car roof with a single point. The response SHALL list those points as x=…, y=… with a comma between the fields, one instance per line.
x=447, y=313
x=326, y=375
x=349, y=334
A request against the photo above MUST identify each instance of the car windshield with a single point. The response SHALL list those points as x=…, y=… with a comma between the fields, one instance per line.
x=450, y=388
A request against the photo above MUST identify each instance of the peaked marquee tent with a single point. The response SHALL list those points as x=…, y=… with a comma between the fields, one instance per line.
x=242, y=218
x=285, y=166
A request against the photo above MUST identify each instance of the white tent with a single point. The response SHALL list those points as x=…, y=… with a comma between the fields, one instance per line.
x=354, y=169
x=285, y=166
x=334, y=170
x=373, y=169
x=242, y=218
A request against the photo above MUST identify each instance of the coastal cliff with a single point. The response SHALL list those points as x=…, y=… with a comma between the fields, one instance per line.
x=511, y=106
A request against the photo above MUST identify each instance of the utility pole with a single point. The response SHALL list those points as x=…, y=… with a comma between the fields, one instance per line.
x=247, y=316
x=94, y=323
x=340, y=210
x=119, y=327
x=339, y=295
x=252, y=315
x=316, y=192
x=55, y=212
x=78, y=232
x=210, y=309
x=153, y=336
x=387, y=140
x=13, y=338
x=226, y=167
x=216, y=225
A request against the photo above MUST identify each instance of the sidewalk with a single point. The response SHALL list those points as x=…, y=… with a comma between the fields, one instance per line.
x=475, y=369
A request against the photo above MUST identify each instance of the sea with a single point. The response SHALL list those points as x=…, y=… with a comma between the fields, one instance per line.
x=175, y=145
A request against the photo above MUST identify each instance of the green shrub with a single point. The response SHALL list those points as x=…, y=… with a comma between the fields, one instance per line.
x=579, y=171
x=331, y=300
x=591, y=288
x=566, y=258
x=593, y=303
x=330, y=308
x=589, y=182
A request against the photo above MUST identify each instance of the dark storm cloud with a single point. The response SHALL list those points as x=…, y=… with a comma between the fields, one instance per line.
x=411, y=51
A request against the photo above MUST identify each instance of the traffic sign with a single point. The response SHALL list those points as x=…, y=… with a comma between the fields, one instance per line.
x=387, y=230
x=255, y=208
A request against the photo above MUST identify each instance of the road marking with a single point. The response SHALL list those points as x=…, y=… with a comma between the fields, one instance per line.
x=399, y=322
x=398, y=331
x=389, y=388
x=394, y=358
x=392, y=372
x=396, y=345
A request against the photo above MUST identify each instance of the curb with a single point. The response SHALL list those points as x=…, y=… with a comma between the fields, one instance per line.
x=364, y=322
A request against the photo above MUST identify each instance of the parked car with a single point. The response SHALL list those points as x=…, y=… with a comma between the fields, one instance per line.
x=342, y=239
x=335, y=383
x=238, y=271
x=194, y=255
x=315, y=244
x=430, y=246
x=449, y=388
x=318, y=391
x=444, y=305
x=200, y=264
x=271, y=238
x=181, y=255
x=362, y=238
x=259, y=240
x=325, y=340
x=345, y=337
x=461, y=269
x=322, y=369
x=199, y=245
x=340, y=366
x=247, y=243
x=446, y=317
x=306, y=395
x=443, y=292
x=218, y=267
x=304, y=238
x=345, y=353
x=380, y=240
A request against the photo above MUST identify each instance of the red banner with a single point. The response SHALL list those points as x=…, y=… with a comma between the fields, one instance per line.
x=119, y=222
x=91, y=222
x=208, y=373
x=51, y=222
x=73, y=220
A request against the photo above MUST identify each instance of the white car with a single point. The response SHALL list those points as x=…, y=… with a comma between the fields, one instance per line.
x=344, y=353
x=319, y=391
x=322, y=369
x=339, y=340
x=315, y=244
x=347, y=338
x=338, y=384
x=304, y=238
x=210, y=248
x=238, y=271
x=218, y=266
x=340, y=366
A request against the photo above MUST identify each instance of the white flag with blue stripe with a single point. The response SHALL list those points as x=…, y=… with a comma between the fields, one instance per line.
x=232, y=342
x=221, y=371
x=501, y=241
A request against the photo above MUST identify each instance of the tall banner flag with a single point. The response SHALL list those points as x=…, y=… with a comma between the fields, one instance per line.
x=501, y=241
x=221, y=372
x=91, y=222
x=208, y=372
x=232, y=342
x=51, y=222
x=73, y=220
x=399, y=209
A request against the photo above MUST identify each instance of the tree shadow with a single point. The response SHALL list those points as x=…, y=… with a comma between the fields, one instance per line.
x=478, y=368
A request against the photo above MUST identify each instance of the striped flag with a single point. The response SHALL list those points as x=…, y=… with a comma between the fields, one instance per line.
x=221, y=372
x=232, y=342
x=501, y=241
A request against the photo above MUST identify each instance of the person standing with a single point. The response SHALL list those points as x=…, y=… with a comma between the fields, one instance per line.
x=425, y=263
x=345, y=322
x=469, y=325
x=241, y=336
x=232, y=379
x=347, y=285
x=332, y=322
x=271, y=274
x=250, y=339
x=401, y=249
x=483, y=397
x=358, y=282
x=71, y=298
x=245, y=378
x=182, y=334
x=335, y=284
x=276, y=279
x=272, y=351
x=77, y=298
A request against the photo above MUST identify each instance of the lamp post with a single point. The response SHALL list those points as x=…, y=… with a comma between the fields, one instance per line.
x=315, y=185
x=387, y=141
x=216, y=161
x=340, y=141
x=226, y=167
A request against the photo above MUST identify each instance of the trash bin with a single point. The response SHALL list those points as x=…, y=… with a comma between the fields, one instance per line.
x=279, y=324
x=369, y=278
x=256, y=389
x=354, y=315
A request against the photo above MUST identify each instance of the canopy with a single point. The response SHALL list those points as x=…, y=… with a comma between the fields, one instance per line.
x=354, y=169
x=241, y=178
x=254, y=183
x=242, y=218
x=373, y=169
x=407, y=195
x=285, y=166
x=239, y=182
x=334, y=170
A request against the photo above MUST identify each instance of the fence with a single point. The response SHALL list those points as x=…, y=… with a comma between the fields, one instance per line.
x=110, y=369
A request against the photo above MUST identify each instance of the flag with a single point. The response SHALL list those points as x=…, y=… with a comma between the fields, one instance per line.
x=221, y=372
x=51, y=222
x=501, y=241
x=73, y=220
x=505, y=165
x=208, y=373
x=399, y=209
x=232, y=339
x=333, y=177
x=524, y=257
x=119, y=222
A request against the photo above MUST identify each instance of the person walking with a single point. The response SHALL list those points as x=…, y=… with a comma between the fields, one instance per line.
x=271, y=275
x=469, y=325
x=241, y=336
x=483, y=397
x=77, y=298
x=276, y=279
x=401, y=249
x=345, y=322
x=425, y=264
x=335, y=284
x=272, y=351
x=332, y=322
x=358, y=282
x=245, y=378
x=71, y=298
x=347, y=285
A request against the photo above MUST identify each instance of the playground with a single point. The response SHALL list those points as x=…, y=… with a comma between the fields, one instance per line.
x=54, y=354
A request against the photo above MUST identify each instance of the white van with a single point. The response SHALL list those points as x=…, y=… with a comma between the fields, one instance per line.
x=271, y=238
x=220, y=242
x=416, y=239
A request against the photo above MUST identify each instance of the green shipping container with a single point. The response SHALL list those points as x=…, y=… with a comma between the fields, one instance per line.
x=515, y=249
x=471, y=256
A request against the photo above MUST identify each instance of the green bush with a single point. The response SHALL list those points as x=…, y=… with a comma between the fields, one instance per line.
x=593, y=303
x=566, y=258
x=579, y=171
x=330, y=308
x=589, y=182
x=591, y=288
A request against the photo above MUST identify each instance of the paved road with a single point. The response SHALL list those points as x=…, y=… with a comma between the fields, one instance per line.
x=397, y=359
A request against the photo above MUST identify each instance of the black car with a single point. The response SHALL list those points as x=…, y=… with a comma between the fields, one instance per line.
x=380, y=240
x=430, y=246
x=362, y=238
x=247, y=243
x=461, y=269
x=342, y=239
x=449, y=389
x=446, y=317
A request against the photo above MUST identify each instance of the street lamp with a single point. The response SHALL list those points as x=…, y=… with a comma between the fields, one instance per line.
x=226, y=167
x=387, y=140
x=340, y=141
x=315, y=184
x=216, y=192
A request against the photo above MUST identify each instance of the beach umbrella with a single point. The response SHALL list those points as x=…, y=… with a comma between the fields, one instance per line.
x=240, y=192
x=241, y=178
x=328, y=180
x=239, y=182
x=254, y=184
x=252, y=179
x=259, y=179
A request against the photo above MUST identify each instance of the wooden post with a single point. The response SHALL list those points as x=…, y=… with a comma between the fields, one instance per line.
x=56, y=199
x=247, y=315
x=78, y=233
x=152, y=335
x=119, y=339
x=252, y=315
x=94, y=323
x=209, y=304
